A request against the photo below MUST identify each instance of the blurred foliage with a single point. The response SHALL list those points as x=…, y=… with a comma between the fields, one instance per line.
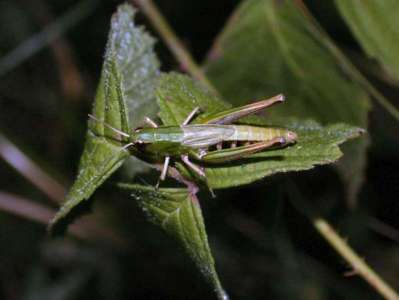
x=375, y=26
x=309, y=75
x=258, y=238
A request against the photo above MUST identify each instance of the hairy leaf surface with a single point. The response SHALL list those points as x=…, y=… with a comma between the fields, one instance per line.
x=125, y=92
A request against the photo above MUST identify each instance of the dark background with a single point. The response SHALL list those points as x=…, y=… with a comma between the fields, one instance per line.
x=262, y=249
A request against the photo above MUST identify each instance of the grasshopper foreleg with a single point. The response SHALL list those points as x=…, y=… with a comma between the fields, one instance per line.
x=150, y=122
x=191, y=115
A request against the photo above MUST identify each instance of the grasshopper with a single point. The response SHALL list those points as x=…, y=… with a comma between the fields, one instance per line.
x=216, y=140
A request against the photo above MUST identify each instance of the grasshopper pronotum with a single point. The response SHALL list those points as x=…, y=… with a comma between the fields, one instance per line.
x=215, y=140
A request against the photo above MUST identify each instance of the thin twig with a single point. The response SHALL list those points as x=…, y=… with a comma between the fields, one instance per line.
x=83, y=228
x=30, y=170
x=31, y=210
x=383, y=229
x=70, y=77
x=215, y=51
x=38, y=41
x=173, y=42
x=26, y=208
x=357, y=263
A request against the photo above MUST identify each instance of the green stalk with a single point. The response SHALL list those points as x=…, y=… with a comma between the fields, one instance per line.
x=173, y=42
x=358, y=265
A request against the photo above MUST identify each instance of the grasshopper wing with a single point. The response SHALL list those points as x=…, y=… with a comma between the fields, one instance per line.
x=202, y=136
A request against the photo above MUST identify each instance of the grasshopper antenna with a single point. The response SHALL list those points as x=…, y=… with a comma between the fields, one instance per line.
x=109, y=126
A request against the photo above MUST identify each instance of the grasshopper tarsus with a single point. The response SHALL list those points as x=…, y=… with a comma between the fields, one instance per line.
x=213, y=195
x=157, y=185
x=280, y=97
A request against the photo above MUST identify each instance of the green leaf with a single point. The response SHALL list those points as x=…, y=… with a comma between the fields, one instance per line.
x=272, y=48
x=375, y=25
x=125, y=92
x=139, y=67
x=137, y=62
x=178, y=213
x=178, y=95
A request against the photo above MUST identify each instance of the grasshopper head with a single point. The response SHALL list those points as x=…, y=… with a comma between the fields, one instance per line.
x=141, y=136
x=290, y=137
x=135, y=136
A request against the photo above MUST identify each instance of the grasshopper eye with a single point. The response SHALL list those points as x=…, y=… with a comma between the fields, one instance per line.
x=291, y=137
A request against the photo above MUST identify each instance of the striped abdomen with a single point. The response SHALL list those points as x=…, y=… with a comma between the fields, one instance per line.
x=254, y=133
x=202, y=136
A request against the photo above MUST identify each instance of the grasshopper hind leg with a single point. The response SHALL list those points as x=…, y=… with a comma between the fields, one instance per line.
x=234, y=153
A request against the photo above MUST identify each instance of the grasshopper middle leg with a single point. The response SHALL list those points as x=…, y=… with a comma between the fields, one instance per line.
x=164, y=170
x=191, y=115
x=192, y=166
x=167, y=158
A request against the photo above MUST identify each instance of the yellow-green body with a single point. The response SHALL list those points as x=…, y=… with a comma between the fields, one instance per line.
x=214, y=140
x=200, y=140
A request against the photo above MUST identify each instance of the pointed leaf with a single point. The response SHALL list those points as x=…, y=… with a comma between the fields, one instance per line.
x=139, y=67
x=178, y=213
x=137, y=63
x=125, y=91
x=102, y=155
x=375, y=25
x=178, y=95
x=271, y=48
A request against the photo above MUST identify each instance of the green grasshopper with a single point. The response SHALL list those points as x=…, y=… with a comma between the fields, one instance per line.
x=216, y=140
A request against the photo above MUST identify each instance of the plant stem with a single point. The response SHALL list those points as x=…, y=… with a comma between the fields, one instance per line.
x=173, y=42
x=86, y=228
x=30, y=170
x=30, y=210
x=38, y=41
x=71, y=79
x=357, y=263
